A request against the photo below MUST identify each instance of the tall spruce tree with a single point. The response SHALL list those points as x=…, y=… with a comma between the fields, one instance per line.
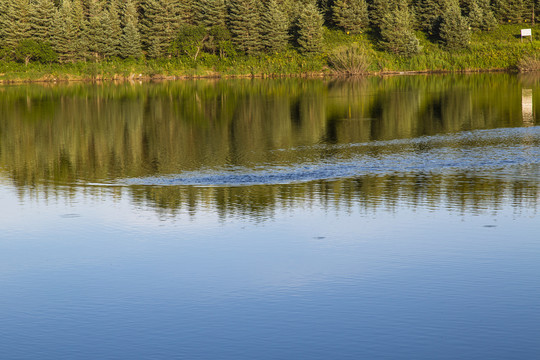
x=115, y=27
x=310, y=36
x=67, y=36
x=159, y=25
x=42, y=13
x=244, y=25
x=274, y=27
x=508, y=11
x=429, y=14
x=210, y=13
x=481, y=16
x=378, y=9
x=454, y=29
x=130, y=45
x=397, y=35
x=15, y=23
x=351, y=15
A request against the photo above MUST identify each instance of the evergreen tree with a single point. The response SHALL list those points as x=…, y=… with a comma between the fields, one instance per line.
x=350, y=15
x=130, y=45
x=42, y=13
x=15, y=22
x=67, y=36
x=115, y=28
x=310, y=24
x=209, y=13
x=378, y=9
x=397, y=35
x=480, y=15
x=454, y=29
x=509, y=11
x=429, y=14
x=243, y=23
x=159, y=25
x=274, y=27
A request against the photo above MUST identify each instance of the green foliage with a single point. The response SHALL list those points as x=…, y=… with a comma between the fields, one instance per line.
x=274, y=27
x=429, y=13
x=378, y=9
x=397, y=36
x=30, y=49
x=454, y=29
x=190, y=40
x=42, y=13
x=243, y=23
x=310, y=30
x=15, y=22
x=209, y=13
x=68, y=38
x=509, y=11
x=351, y=15
x=481, y=16
x=130, y=44
x=159, y=25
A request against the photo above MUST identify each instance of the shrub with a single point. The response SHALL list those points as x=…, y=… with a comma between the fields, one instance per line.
x=529, y=63
x=349, y=60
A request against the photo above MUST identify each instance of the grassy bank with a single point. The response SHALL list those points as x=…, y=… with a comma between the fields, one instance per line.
x=500, y=49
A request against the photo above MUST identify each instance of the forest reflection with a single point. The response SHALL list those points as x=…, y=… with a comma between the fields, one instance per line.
x=59, y=139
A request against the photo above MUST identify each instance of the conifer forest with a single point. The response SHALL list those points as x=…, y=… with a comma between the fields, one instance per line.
x=71, y=31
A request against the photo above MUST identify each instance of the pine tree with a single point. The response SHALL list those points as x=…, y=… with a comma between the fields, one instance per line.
x=397, y=35
x=115, y=28
x=209, y=13
x=274, y=27
x=429, y=14
x=130, y=45
x=15, y=22
x=350, y=15
x=310, y=25
x=509, y=11
x=378, y=9
x=67, y=32
x=454, y=29
x=42, y=14
x=480, y=15
x=243, y=23
x=98, y=31
x=159, y=25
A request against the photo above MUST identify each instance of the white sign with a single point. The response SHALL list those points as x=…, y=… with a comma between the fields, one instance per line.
x=526, y=32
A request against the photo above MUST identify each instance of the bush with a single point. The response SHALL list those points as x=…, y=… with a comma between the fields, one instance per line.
x=40, y=51
x=349, y=60
x=529, y=63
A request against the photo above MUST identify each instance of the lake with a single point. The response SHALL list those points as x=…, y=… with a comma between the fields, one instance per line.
x=372, y=218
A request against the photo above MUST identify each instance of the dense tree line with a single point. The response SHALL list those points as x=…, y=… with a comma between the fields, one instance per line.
x=94, y=30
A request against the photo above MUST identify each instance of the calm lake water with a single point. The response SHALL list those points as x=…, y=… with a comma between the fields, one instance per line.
x=377, y=218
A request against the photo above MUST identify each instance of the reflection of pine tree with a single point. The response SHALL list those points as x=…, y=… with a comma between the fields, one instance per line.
x=351, y=15
x=274, y=27
x=454, y=30
x=397, y=35
x=310, y=25
x=243, y=21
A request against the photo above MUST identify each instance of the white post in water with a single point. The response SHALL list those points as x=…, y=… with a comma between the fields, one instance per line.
x=527, y=107
x=526, y=32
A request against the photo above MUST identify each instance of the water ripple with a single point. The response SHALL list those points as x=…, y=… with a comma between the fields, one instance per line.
x=497, y=151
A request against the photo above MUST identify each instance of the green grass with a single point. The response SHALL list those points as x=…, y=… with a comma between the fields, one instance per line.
x=499, y=49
